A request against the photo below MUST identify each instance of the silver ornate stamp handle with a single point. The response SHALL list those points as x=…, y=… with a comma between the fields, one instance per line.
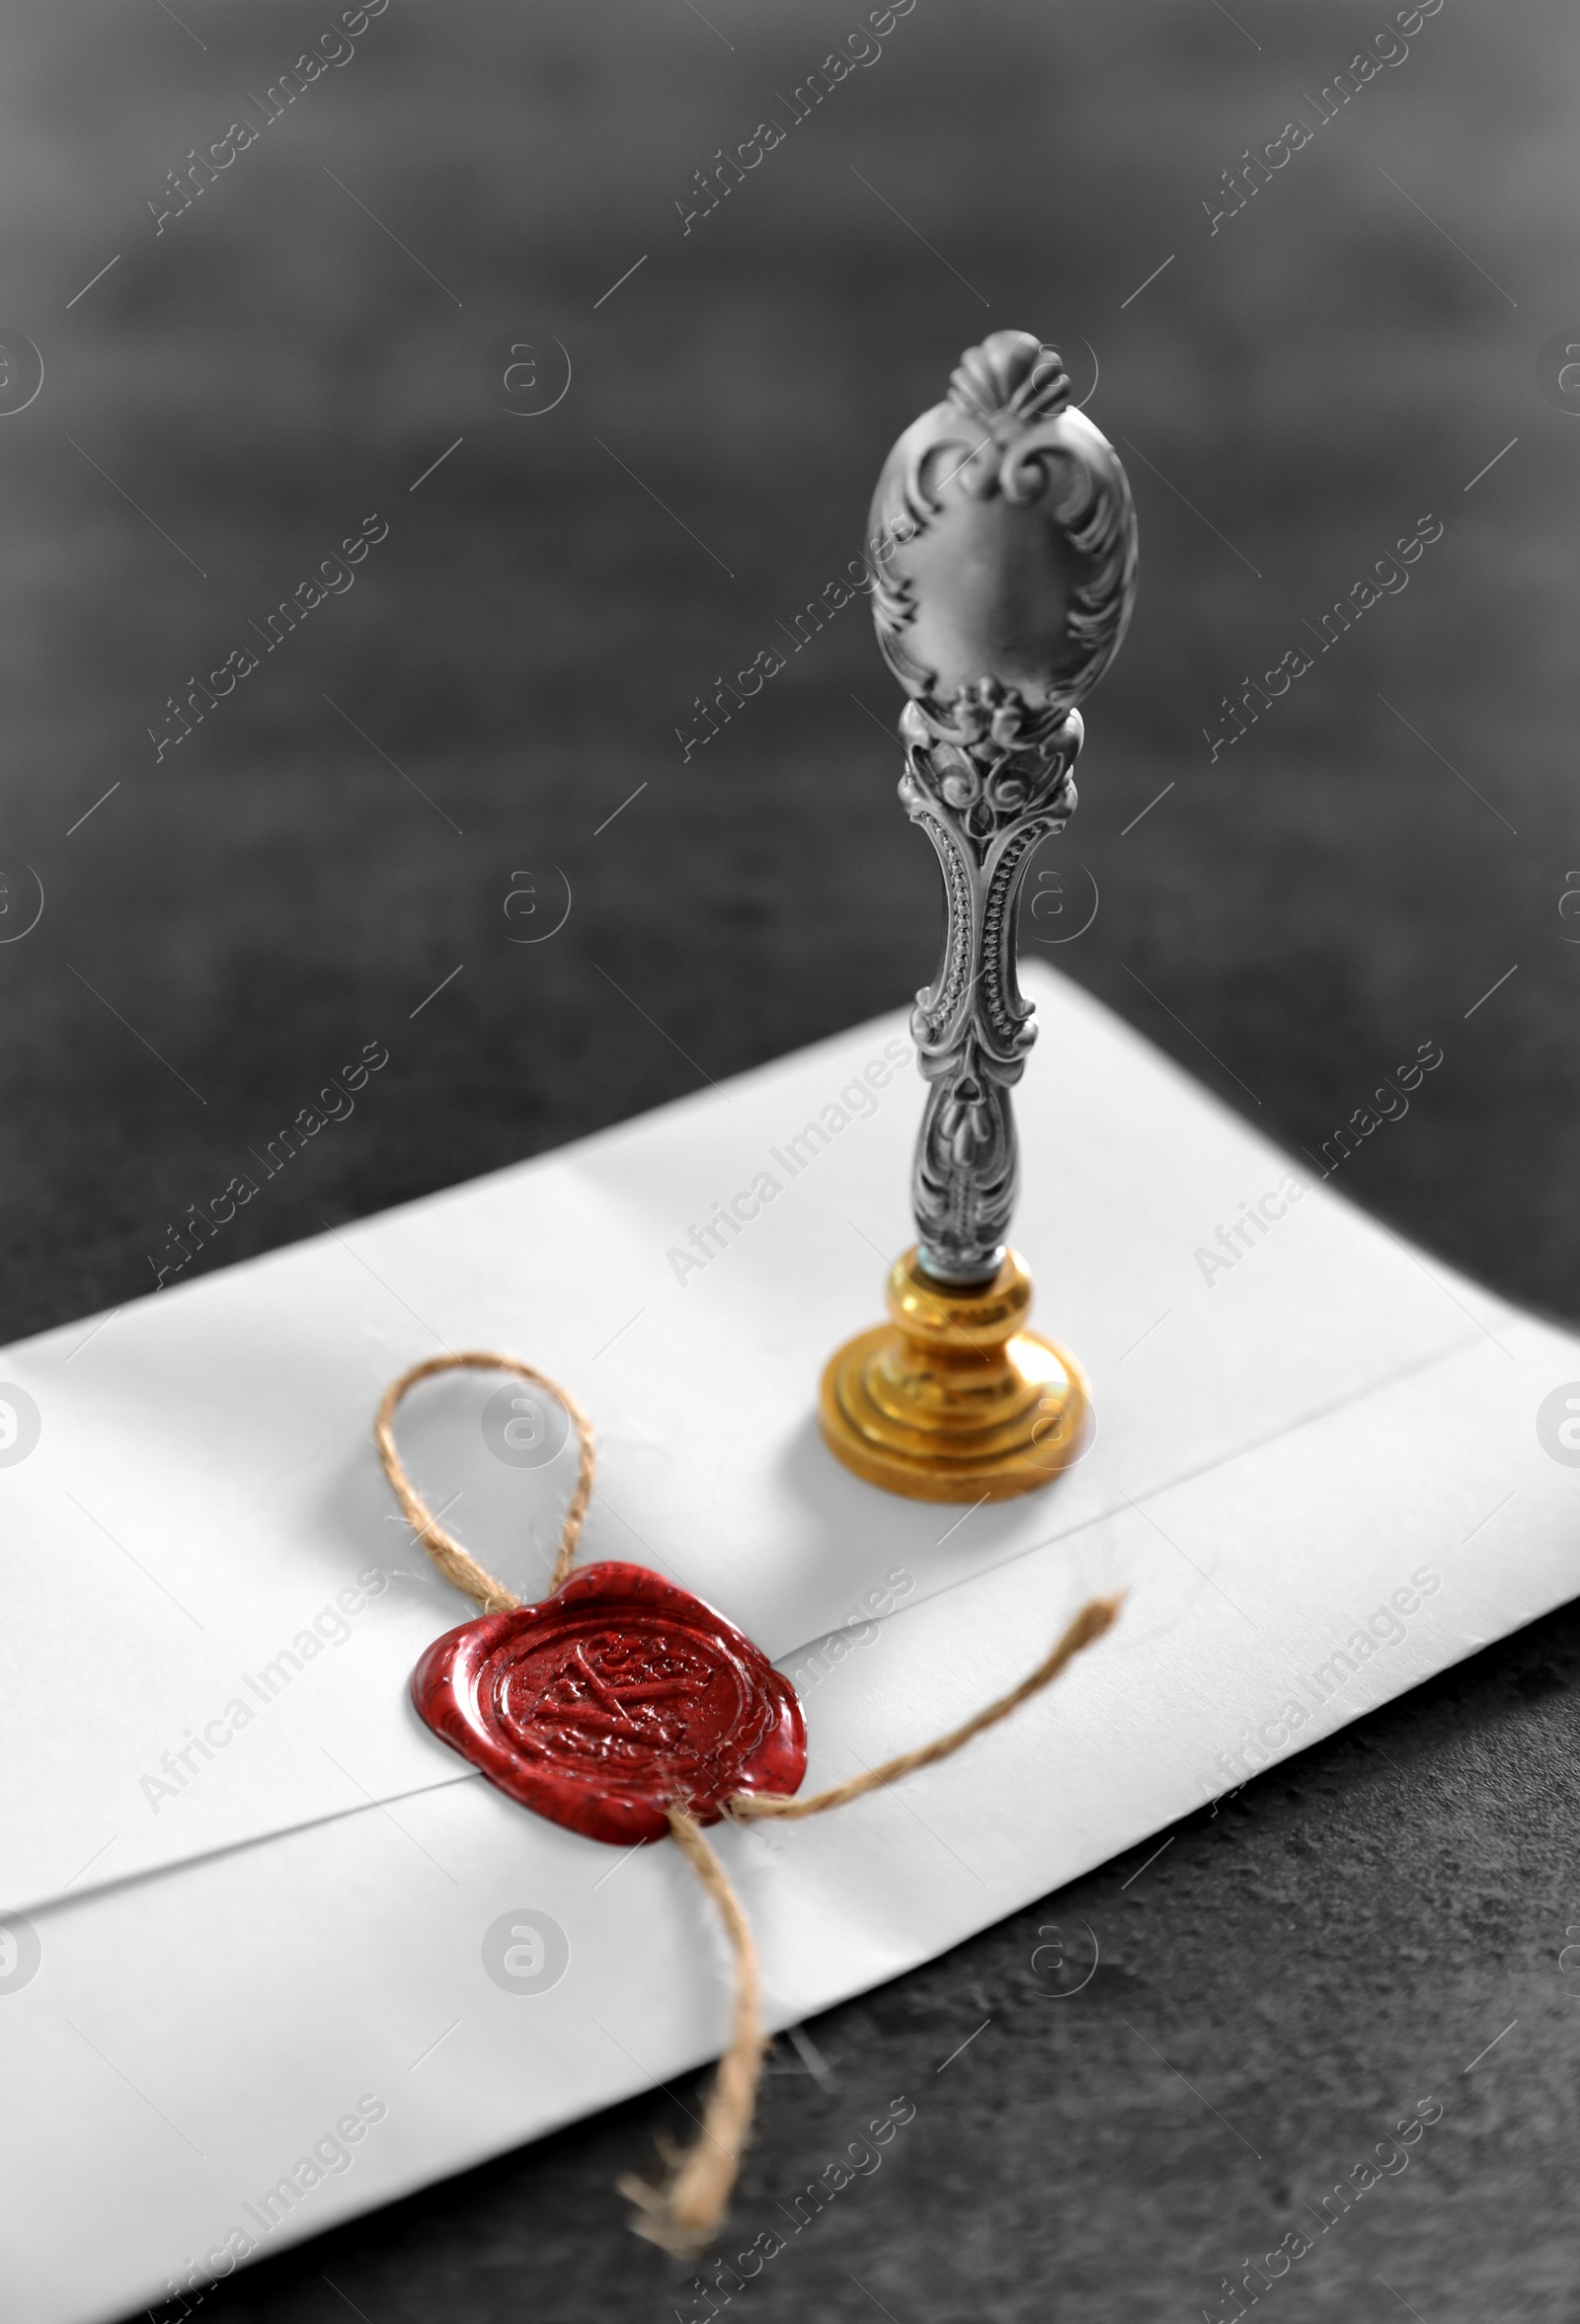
x=1003, y=539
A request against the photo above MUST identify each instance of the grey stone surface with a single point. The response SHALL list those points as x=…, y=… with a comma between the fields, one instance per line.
x=1291, y=393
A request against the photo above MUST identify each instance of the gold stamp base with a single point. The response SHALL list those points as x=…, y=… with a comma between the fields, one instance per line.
x=954, y=1400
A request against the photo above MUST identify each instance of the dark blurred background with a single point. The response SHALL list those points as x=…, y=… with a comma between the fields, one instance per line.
x=274, y=365
x=1291, y=393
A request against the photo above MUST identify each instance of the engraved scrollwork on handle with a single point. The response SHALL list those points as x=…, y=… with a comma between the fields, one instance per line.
x=986, y=809
x=1003, y=552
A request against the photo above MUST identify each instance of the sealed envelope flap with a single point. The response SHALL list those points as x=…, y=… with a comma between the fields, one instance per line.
x=211, y=1611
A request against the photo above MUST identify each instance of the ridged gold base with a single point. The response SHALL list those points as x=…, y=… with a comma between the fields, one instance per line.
x=954, y=1400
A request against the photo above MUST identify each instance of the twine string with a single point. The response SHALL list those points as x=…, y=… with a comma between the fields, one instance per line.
x=453, y=1562
x=684, y=2216
x=1095, y=1616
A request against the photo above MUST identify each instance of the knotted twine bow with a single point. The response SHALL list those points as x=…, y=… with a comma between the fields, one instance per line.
x=683, y=2216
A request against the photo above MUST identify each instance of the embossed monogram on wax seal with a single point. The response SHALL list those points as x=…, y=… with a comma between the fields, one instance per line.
x=611, y=1700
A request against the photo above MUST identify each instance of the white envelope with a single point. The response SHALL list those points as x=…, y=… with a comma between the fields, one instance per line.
x=1281, y=1478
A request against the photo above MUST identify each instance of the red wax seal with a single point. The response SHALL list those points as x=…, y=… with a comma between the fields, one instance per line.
x=615, y=1697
